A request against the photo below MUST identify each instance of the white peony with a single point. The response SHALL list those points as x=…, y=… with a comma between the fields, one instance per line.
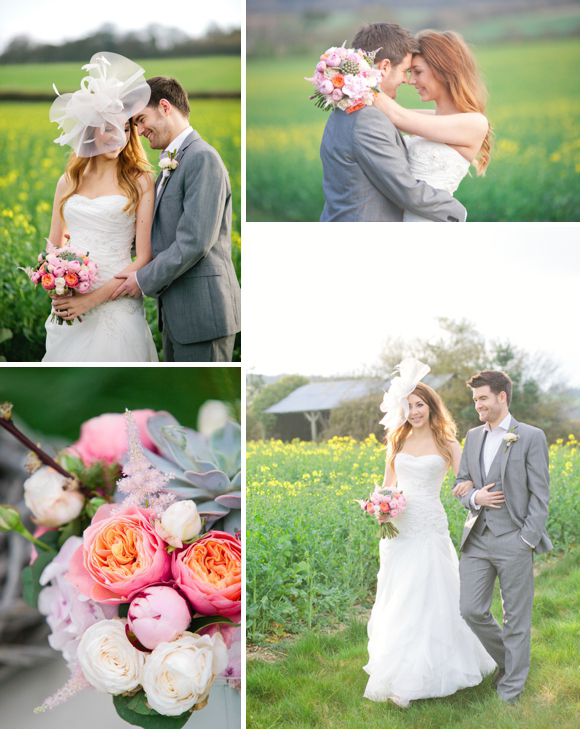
x=52, y=498
x=179, y=523
x=108, y=660
x=179, y=675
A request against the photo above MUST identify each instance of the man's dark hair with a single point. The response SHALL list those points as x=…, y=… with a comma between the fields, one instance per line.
x=497, y=381
x=170, y=89
x=395, y=42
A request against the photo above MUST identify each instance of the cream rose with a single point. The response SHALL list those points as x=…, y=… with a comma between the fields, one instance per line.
x=179, y=675
x=179, y=523
x=108, y=660
x=52, y=498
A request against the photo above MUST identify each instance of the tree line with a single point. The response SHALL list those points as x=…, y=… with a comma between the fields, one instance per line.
x=155, y=41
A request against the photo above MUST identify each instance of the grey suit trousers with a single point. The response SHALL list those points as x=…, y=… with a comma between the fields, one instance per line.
x=508, y=557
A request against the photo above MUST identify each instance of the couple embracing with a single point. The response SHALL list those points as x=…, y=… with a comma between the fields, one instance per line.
x=431, y=631
x=177, y=228
x=373, y=173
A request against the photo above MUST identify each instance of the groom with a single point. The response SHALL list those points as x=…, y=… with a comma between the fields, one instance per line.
x=366, y=171
x=191, y=275
x=507, y=463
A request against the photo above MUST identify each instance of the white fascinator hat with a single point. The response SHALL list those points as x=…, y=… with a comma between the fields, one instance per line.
x=395, y=401
x=93, y=119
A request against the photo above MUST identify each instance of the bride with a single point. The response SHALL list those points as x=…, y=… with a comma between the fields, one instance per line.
x=419, y=645
x=446, y=141
x=104, y=203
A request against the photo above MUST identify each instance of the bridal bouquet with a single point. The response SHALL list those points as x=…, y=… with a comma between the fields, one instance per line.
x=345, y=79
x=143, y=600
x=61, y=272
x=384, y=502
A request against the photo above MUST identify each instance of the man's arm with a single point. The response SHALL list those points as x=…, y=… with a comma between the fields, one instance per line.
x=198, y=229
x=538, y=483
x=384, y=163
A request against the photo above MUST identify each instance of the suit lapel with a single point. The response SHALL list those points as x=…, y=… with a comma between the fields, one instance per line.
x=158, y=195
x=478, y=446
x=506, y=451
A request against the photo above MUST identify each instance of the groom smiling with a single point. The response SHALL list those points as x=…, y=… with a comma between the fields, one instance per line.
x=191, y=275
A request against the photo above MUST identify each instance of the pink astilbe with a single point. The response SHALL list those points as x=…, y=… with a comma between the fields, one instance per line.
x=76, y=683
x=143, y=483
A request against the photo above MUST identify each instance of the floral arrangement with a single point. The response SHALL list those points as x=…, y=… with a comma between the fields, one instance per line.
x=143, y=601
x=61, y=272
x=384, y=503
x=167, y=165
x=345, y=79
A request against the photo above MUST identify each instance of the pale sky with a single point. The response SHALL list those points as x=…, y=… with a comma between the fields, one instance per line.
x=57, y=20
x=321, y=299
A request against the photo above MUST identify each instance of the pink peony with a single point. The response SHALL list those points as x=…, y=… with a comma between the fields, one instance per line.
x=58, y=271
x=73, y=266
x=326, y=87
x=336, y=95
x=209, y=573
x=157, y=615
x=104, y=438
x=333, y=59
x=121, y=554
x=36, y=276
x=321, y=66
x=83, y=287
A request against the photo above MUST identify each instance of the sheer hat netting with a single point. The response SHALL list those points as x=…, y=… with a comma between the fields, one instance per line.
x=93, y=119
x=395, y=402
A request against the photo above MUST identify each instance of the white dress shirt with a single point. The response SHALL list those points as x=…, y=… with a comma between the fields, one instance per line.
x=171, y=147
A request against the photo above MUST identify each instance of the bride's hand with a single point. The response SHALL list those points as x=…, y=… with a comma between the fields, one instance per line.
x=462, y=488
x=70, y=307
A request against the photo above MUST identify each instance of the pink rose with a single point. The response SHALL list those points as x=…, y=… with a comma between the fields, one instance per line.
x=104, y=438
x=48, y=281
x=158, y=614
x=209, y=573
x=120, y=555
x=83, y=287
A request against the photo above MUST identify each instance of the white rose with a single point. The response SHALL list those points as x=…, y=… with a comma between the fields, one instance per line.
x=179, y=675
x=165, y=163
x=212, y=415
x=108, y=660
x=52, y=498
x=179, y=523
x=173, y=164
x=343, y=104
x=59, y=282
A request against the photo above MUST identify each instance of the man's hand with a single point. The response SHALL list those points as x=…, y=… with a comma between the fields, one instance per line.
x=462, y=488
x=493, y=499
x=129, y=288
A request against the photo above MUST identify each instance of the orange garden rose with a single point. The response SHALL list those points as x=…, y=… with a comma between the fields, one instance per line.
x=338, y=81
x=209, y=573
x=356, y=107
x=71, y=279
x=120, y=555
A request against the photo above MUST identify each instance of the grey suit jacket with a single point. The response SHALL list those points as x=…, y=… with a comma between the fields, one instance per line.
x=367, y=175
x=192, y=275
x=525, y=481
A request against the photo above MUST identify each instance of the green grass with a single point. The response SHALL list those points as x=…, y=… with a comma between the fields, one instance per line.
x=216, y=73
x=319, y=682
x=534, y=108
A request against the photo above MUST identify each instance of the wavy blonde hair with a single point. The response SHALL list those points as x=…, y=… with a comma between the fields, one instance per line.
x=440, y=420
x=453, y=64
x=132, y=163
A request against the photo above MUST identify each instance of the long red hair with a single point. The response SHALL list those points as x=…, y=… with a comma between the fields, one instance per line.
x=440, y=420
x=132, y=163
x=453, y=64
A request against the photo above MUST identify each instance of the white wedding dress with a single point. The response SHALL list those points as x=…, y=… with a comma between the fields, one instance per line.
x=437, y=164
x=419, y=645
x=114, y=331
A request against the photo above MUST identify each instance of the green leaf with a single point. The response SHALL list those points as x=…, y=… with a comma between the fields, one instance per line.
x=134, y=710
x=31, y=574
x=72, y=528
x=198, y=623
x=124, y=609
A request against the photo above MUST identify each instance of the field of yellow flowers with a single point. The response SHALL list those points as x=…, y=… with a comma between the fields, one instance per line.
x=312, y=554
x=30, y=165
x=534, y=110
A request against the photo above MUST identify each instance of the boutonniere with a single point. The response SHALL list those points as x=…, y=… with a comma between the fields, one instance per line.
x=168, y=164
x=510, y=438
